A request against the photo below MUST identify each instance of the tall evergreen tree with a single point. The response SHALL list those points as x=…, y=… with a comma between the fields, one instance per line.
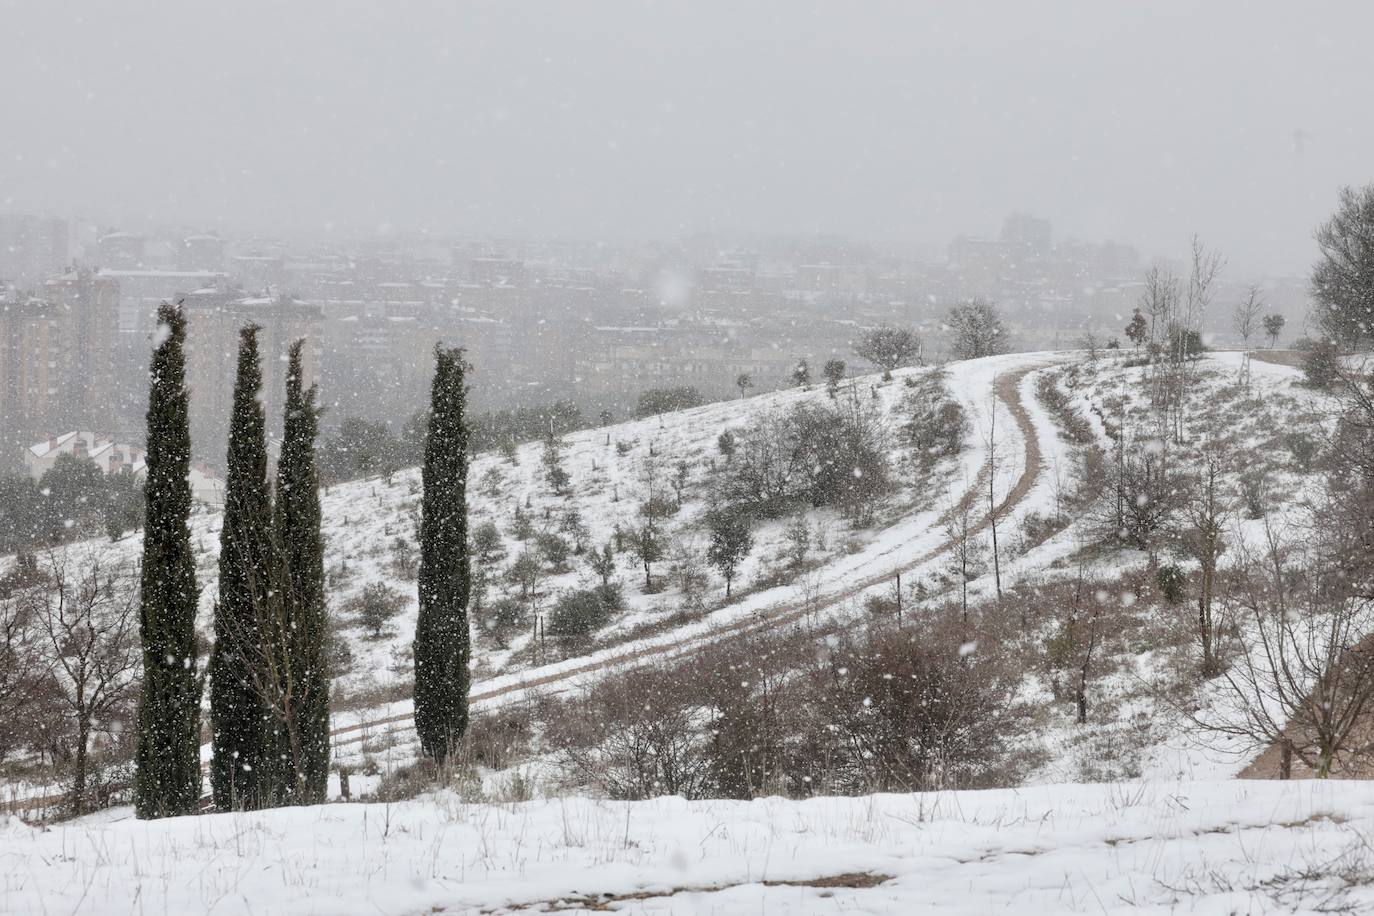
x=441, y=631
x=168, y=754
x=239, y=717
x=297, y=528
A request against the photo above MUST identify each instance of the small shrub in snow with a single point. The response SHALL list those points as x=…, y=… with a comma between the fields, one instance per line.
x=578, y=614
x=1321, y=365
x=375, y=606
x=486, y=542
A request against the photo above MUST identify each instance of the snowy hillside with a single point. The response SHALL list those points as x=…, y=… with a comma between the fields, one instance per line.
x=1187, y=847
x=1044, y=519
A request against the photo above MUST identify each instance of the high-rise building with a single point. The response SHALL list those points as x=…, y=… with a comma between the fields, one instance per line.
x=213, y=320
x=33, y=360
x=31, y=248
x=94, y=372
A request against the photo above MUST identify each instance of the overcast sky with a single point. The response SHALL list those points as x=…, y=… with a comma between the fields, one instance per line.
x=905, y=122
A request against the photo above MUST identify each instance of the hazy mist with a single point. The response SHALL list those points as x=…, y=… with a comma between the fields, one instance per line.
x=902, y=122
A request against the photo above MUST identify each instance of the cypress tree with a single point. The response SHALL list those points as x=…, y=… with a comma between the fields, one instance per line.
x=297, y=529
x=168, y=754
x=239, y=717
x=441, y=632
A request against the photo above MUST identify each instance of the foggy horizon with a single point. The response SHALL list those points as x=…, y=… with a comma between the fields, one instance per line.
x=884, y=123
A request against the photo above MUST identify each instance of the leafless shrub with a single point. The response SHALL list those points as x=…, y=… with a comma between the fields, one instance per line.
x=635, y=737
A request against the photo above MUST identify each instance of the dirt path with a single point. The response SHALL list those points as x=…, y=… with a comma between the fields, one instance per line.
x=1007, y=388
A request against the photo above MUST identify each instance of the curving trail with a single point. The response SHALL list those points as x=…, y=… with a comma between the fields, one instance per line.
x=1007, y=390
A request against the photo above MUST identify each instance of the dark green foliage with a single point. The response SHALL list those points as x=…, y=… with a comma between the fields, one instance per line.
x=554, y=472
x=801, y=374
x=1137, y=329
x=649, y=544
x=301, y=634
x=888, y=348
x=238, y=713
x=731, y=542
x=1185, y=343
x=486, y=542
x=1273, y=326
x=824, y=456
x=23, y=513
x=579, y=614
x=662, y=400
x=1321, y=365
x=73, y=501
x=1172, y=582
x=123, y=504
x=375, y=606
x=507, y=615
x=75, y=491
x=525, y=424
x=442, y=640
x=834, y=374
x=553, y=550
x=361, y=448
x=168, y=755
x=602, y=563
x=525, y=572
x=1343, y=278
x=725, y=443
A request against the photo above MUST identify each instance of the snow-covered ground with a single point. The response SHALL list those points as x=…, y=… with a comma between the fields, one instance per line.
x=1180, y=847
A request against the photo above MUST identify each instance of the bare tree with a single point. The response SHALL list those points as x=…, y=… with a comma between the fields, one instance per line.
x=1245, y=318
x=1091, y=345
x=89, y=616
x=23, y=663
x=960, y=526
x=1077, y=638
x=1206, y=511
x=1159, y=300
x=1303, y=676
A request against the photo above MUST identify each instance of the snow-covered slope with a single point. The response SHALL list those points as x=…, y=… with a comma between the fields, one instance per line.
x=846, y=562
x=1168, y=847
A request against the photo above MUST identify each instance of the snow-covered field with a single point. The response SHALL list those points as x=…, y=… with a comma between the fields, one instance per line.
x=1187, y=847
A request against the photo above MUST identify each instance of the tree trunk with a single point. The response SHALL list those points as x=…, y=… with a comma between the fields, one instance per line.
x=1324, y=762
x=1286, y=759
x=83, y=737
